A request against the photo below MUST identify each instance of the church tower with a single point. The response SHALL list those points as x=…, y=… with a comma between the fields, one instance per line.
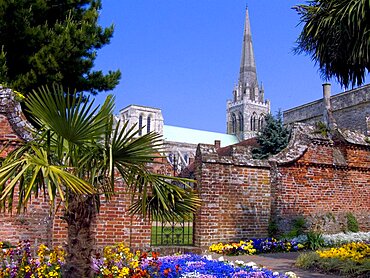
x=247, y=109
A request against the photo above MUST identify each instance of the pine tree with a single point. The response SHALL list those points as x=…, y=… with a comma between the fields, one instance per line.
x=273, y=138
x=46, y=41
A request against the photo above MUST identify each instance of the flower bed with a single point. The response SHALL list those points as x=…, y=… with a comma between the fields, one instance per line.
x=18, y=262
x=118, y=261
x=256, y=246
x=356, y=251
x=351, y=259
x=340, y=238
x=198, y=266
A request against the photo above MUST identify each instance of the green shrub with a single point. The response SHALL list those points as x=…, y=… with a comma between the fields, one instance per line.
x=347, y=268
x=314, y=240
x=352, y=224
x=299, y=225
x=272, y=228
x=308, y=260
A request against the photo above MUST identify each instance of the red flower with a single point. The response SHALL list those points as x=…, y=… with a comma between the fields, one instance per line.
x=166, y=272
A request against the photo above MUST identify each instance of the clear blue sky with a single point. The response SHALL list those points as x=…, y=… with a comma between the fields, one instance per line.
x=183, y=56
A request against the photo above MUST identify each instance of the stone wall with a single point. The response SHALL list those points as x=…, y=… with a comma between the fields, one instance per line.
x=350, y=110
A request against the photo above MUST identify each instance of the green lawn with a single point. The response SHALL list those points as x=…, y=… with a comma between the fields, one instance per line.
x=172, y=236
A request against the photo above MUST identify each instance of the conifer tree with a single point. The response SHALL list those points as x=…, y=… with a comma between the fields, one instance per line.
x=273, y=138
x=48, y=41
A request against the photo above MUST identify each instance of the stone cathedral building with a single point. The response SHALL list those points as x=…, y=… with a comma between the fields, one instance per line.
x=247, y=110
x=245, y=114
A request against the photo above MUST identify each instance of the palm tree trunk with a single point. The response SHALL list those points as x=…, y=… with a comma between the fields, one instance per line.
x=79, y=215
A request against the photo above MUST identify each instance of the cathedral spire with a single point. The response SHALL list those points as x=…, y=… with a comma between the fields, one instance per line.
x=248, y=75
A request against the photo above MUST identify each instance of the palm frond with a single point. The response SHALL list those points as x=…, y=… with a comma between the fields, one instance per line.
x=73, y=118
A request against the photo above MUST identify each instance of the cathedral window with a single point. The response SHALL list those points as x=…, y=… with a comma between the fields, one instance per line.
x=261, y=121
x=186, y=157
x=253, y=122
x=148, y=124
x=241, y=122
x=233, y=123
x=140, y=124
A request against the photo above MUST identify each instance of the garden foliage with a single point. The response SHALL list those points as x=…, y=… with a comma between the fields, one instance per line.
x=350, y=260
x=333, y=36
x=42, y=42
x=352, y=223
x=273, y=137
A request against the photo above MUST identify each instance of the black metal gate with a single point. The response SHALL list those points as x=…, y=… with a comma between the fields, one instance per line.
x=172, y=233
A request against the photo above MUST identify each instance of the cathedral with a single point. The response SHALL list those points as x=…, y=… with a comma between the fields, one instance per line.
x=247, y=110
x=245, y=114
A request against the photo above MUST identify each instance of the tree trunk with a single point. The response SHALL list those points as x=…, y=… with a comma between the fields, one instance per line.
x=79, y=215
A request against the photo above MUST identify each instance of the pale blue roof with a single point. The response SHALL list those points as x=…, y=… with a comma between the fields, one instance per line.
x=194, y=136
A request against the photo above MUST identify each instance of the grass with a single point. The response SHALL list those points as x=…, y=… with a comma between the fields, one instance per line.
x=168, y=237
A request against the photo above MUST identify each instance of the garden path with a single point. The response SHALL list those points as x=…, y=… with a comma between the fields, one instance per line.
x=281, y=262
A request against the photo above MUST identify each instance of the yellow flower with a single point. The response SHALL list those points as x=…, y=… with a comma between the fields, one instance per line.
x=356, y=251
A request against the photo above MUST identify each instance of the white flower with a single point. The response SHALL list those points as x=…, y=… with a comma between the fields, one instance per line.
x=251, y=264
x=208, y=257
x=221, y=259
x=239, y=262
x=275, y=273
x=291, y=274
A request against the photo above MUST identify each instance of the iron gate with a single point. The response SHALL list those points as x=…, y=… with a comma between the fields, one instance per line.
x=172, y=233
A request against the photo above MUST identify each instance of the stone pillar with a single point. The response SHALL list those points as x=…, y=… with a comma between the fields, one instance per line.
x=327, y=113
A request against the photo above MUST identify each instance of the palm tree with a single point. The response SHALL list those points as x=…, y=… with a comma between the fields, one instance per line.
x=336, y=36
x=73, y=156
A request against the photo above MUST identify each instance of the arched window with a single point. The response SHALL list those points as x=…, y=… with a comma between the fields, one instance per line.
x=186, y=157
x=261, y=121
x=253, y=122
x=241, y=122
x=233, y=123
x=148, y=124
x=140, y=124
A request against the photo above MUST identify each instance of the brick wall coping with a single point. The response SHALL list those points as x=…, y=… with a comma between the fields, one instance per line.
x=302, y=136
x=13, y=111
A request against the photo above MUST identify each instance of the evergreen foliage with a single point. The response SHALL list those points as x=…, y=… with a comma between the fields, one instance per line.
x=273, y=137
x=352, y=223
x=336, y=35
x=47, y=41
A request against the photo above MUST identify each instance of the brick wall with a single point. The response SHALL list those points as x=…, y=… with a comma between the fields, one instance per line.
x=38, y=224
x=235, y=197
x=330, y=179
x=320, y=177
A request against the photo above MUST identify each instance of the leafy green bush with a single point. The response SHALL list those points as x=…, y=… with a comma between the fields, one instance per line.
x=350, y=260
x=272, y=228
x=314, y=240
x=298, y=227
x=308, y=260
x=352, y=224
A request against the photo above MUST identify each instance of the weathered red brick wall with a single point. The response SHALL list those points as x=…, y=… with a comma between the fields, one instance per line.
x=34, y=224
x=235, y=197
x=328, y=181
x=318, y=177
x=37, y=224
